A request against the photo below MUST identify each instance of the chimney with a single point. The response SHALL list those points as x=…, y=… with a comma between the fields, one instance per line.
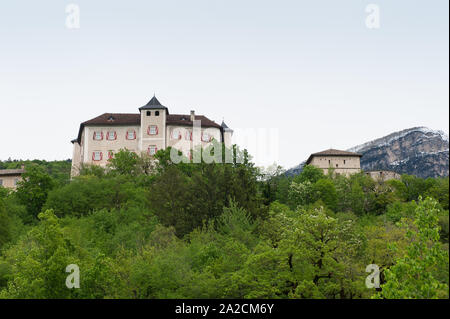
x=192, y=116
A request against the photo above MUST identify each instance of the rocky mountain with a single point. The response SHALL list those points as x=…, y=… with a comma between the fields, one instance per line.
x=416, y=151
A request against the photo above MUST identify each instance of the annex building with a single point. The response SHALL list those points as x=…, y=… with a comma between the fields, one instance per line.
x=342, y=162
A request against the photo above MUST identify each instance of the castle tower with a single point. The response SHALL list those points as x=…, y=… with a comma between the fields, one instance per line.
x=227, y=134
x=153, y=126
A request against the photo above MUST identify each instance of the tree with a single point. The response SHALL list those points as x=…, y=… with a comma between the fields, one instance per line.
x=321, y=253
x=324, y=190
x=309, y=173
x=88, y=193
x=39, y=262
x=33, y=189
x=301, y=194
x=356, y=198
x=124, y=162
x=414, y=275
x=5, y=231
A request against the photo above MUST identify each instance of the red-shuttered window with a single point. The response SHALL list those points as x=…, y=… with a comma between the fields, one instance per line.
x=152, y=149
x=98, y=136
x=176, y=134
x=131, y=135
x=111, y=136
x=97, y=156
x=110, y=154
x=152, y=130
x=188, y=136
x=206, y=137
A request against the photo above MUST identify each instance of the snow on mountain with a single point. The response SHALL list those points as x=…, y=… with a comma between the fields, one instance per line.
x=416, y=151
x=389, y=139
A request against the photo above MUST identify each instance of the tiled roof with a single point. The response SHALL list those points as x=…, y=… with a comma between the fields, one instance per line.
x=114, y=119
x=182, y=119
x=9, y=172
x=332, y=152
x=153, y=104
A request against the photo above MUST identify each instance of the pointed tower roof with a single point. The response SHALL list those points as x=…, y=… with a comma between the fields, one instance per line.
x=225, y=127
x=154, y=104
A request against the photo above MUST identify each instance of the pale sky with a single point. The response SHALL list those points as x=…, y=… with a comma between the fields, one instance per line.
x=311, y=69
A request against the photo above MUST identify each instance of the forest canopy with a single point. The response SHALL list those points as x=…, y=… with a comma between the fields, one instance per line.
x=140, y=228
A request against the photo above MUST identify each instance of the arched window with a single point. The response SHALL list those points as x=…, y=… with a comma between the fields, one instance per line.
x=156, y=113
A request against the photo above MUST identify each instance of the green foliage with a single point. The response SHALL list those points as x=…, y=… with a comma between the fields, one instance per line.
x=146, y=228
x=301, y=194
x=186, y=195
x=59, y=171
x=33, y=189
x=416, y=187
x=440, y=191
x=88, y=193
x=399, y=210
x=39, y=261
x=5, y=231
x=236, y=223
x=415, y=275
x=124, y=163
x=309, y=173
x=324, y=189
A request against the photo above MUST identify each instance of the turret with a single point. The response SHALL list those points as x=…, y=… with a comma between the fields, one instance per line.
x=153, y=126
x=227, y=134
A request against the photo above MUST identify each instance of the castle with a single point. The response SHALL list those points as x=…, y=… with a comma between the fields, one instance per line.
x=150, y=130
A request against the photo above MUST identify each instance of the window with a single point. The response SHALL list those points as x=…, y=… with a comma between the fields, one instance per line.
x=98, y=136
x=152, y=149
x=206, y=137
x=16, y=180
x=176, y=134
x=149, y=113
x=152, y=130
x=329, y=162
x=188, y=135
x=156, y=113
x=1, y=182
x=344, y=162
x=97, y=156
x=131, y=135
x=110, y=154
x=111, y=136
x=336, y=165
